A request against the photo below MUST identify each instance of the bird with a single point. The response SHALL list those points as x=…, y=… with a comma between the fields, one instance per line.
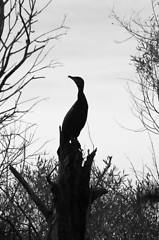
x=76, y=117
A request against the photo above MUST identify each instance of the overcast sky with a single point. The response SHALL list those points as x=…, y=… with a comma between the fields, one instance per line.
x=89, y=50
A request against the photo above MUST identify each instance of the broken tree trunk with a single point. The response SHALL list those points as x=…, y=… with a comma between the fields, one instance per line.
x=72, y=192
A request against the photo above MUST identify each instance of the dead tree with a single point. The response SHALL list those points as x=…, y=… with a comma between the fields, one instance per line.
x=73, y=193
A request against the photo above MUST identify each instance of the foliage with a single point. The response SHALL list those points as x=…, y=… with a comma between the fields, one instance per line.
x=124, y=213
x=137, y=214
x=19, y=215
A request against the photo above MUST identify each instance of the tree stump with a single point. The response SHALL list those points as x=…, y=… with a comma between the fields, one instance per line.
x=72, y=192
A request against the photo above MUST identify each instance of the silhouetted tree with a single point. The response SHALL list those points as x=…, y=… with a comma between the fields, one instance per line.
x=146, y=62
x=24, y=54
x=146, y=94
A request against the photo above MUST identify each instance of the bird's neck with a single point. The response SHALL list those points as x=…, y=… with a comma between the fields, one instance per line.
x=80, y=93
x=81, y=98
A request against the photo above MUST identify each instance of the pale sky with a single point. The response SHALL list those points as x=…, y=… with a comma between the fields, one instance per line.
x=89, y=50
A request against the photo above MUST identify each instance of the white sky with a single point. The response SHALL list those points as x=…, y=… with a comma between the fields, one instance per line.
x=89, y=50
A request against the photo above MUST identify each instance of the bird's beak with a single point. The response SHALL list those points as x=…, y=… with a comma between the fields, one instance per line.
x=71, y=77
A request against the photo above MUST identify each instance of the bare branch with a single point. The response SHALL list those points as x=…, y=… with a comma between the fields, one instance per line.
x=1, y=17
x=24, y=54
x=31, y=193
x=146, y=92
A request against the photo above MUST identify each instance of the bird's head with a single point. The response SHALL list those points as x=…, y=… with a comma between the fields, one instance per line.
x=79, y=82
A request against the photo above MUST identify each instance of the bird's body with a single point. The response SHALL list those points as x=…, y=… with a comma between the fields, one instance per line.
x=76, y=117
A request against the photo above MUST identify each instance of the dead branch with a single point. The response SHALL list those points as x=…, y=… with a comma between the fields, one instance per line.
x=44, y=210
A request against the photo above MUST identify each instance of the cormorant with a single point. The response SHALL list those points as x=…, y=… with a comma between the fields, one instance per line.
x=75, y=118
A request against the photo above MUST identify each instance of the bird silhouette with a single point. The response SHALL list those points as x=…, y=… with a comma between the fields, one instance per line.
x=76, y=117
